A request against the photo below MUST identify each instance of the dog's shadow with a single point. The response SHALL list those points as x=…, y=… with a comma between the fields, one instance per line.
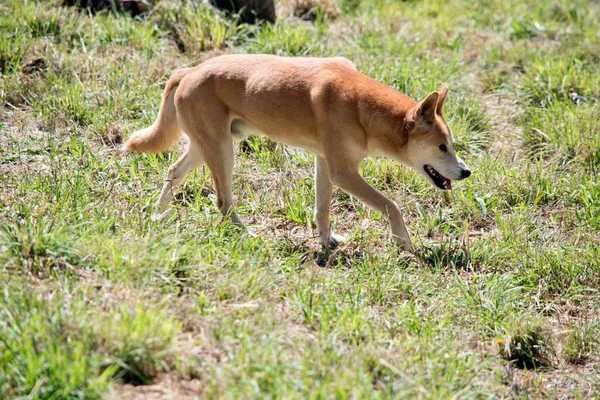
x=307, y=251
x=448, y=255
x=445, y=256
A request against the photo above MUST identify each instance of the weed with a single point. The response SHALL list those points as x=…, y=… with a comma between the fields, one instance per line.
x=35, y=245
x=579, y=343
x=525, y=345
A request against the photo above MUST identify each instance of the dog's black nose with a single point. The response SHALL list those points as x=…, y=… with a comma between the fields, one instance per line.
x=465, y=173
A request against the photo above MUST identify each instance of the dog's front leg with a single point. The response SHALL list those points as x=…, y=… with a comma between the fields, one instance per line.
x=352, y=183
x=323, y=192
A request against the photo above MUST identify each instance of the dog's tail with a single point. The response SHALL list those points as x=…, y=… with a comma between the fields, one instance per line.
x=165, y=131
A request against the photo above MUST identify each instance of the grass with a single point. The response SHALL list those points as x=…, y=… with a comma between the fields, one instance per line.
x=499, y=300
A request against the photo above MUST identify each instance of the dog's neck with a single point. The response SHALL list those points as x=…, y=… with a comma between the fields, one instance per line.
x=387, y=117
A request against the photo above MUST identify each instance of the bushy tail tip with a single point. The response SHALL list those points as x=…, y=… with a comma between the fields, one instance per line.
x=165, y=131
x=150, y=140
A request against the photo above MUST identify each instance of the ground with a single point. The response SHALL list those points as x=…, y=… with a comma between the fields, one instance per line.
x=500, y=298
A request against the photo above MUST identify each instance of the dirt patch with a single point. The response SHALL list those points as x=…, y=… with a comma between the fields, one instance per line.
x=309, y=10
x=22, y=144
x=167, y=387
x=35, y=65
x=568, y=382
x=504, y=113
x=112, y=136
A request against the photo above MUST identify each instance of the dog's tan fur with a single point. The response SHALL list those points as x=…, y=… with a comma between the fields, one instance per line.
x=321, y=105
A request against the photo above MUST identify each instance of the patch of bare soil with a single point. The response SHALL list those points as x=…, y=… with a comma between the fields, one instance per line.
x=22, y=144
x=36, y=64
x=167, y=387
x=566, y=382
x=504, y=112
x=308, y=10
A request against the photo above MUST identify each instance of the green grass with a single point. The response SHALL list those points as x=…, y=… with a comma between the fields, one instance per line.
x=499, y=300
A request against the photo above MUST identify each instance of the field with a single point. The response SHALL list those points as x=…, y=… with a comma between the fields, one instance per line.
x=499, y=300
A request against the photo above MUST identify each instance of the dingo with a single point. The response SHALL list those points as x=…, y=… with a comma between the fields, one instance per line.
x=321, y=105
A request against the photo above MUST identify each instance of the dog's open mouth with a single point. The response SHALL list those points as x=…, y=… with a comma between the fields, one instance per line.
x=440, y=181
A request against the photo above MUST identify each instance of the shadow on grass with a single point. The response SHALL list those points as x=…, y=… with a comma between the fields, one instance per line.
x=446, y=255
x=342, y=256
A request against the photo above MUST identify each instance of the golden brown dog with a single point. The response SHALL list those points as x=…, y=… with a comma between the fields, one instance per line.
x=323, y=105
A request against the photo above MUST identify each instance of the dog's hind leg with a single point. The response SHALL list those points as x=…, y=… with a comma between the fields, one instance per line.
x=219, y=160
x=212, y=136
x=177, y=172
x=208, y=125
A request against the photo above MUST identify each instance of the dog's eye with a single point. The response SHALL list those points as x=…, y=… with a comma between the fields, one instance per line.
x=443, y=148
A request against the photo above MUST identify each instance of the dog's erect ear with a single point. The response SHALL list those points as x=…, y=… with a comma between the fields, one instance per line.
x=443, y=92
x=426, y=108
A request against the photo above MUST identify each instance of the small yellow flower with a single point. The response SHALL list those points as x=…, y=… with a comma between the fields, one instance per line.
x=499, y=341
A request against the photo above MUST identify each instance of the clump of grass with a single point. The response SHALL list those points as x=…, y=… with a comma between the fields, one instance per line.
x=297, y=201
x=34, y=360
x=41, y=24
x=125, y=344
x=520, y=29
x=580, y=343
x=565, y=12
x=286, y=40
x=471, y=125
x=545, y=82
x=38, y=246
x=563, y=133
x=197, y=29
x=350, y=7
x=135, y=340
x=558, y=273
x=525, y=345
x=13, y=45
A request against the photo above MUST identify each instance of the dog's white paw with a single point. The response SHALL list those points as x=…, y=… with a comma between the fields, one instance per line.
x=236, y=219
x=404, y=244
x=332, y=241
x=157, y=216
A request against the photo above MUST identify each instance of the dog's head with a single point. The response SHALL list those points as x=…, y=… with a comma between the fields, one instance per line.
x=430, y=147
